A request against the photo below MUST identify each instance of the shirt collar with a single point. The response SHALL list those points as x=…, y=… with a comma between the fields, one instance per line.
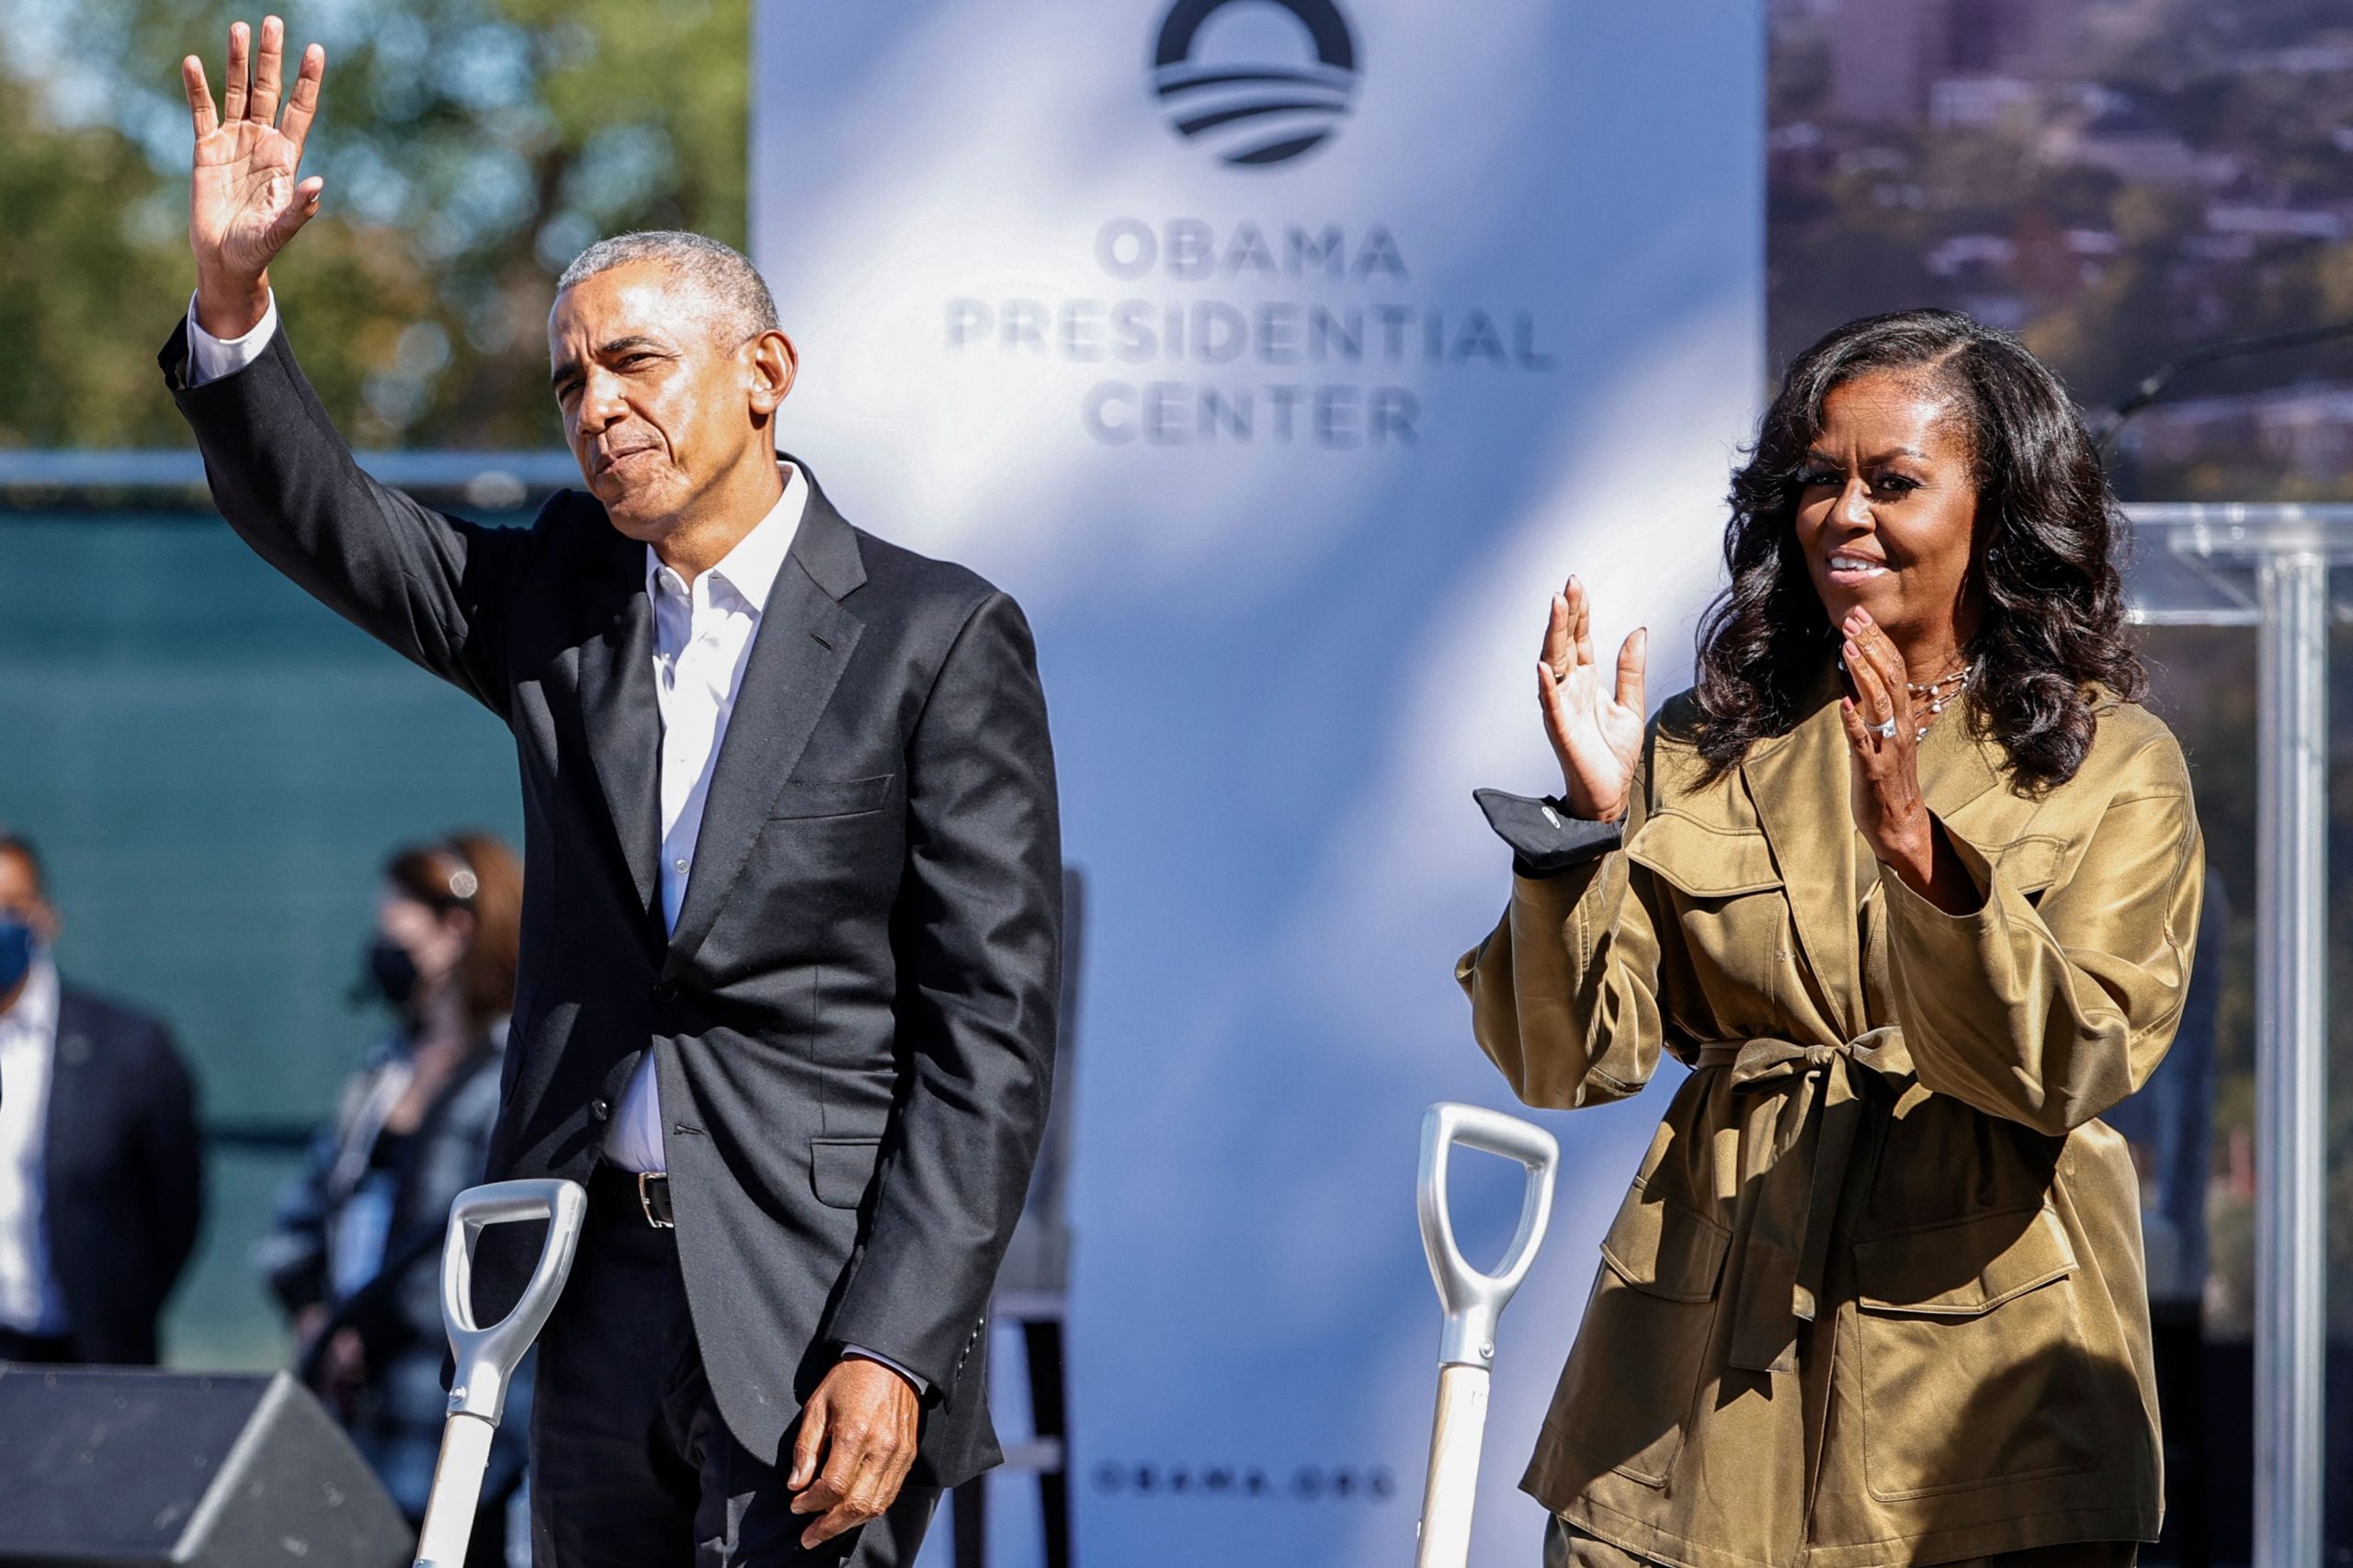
x=750, y=569
x=35, y=1008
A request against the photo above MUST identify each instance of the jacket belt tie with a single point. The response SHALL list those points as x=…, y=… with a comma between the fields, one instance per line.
x=1788, y=1242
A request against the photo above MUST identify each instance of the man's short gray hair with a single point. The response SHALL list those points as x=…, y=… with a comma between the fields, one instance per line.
x=722, y=272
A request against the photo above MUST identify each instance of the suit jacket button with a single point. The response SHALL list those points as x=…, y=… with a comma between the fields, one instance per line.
x=663, y=990
x=601, y=1110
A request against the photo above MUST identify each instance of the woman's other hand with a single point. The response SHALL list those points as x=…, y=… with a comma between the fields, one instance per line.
x=1884, y=778
x=1883, y=772
x=1596, y=728
x=342, y=1369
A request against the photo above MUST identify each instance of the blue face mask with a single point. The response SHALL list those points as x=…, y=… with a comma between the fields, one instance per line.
x=16, y=950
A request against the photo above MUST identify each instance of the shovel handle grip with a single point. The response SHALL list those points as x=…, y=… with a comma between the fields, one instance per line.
x=1474, y=1301
x=487, y=1355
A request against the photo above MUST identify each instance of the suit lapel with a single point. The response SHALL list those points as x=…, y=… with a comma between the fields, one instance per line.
x=1799, y=785
x=805, y=640
x=69, y=1087
x=622, y=716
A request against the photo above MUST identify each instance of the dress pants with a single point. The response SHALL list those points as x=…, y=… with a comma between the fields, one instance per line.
x=631, y=1464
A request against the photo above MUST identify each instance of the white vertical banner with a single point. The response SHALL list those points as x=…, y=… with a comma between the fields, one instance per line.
x=1281, y=357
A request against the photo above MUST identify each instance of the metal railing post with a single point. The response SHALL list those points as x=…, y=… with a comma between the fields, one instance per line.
x=2290, y=1055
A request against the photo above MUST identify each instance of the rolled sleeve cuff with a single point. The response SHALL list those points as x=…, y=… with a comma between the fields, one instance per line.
x=1911, y=908
x=1545, y=840
x=211, y=358
x=921, y=1387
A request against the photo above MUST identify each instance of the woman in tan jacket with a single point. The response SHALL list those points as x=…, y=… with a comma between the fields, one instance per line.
x=1909, y=882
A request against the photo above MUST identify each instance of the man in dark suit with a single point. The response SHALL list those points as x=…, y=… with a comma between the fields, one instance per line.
x=101, y=1170
x=791, y=918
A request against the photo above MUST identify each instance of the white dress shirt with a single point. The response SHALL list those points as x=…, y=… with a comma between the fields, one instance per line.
x=30, y=1301
x=703, y=637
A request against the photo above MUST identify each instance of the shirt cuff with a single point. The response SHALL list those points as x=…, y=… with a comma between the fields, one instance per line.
x=1545, y=840
x=211, y=358
x=863, y=1354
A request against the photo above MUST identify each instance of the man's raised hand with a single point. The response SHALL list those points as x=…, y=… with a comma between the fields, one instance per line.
x=243, y=201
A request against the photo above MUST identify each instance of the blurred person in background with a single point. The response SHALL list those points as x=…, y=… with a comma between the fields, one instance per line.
x=353, y=1253
x=101, y=1166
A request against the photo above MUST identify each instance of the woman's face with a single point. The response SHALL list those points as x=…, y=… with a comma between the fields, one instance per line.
x=1887, y=510
x=435, y=942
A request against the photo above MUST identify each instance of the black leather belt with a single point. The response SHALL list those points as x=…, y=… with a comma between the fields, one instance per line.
x=637, y=1195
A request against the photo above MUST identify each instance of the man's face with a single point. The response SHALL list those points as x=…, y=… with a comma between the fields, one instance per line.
x=21, y=897
x=660, y=403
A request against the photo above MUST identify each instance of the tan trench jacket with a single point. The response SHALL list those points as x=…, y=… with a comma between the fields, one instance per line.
x=1876, y=1294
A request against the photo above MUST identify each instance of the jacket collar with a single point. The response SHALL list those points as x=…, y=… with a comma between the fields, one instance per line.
x=803, y=643
x=749, y=571
x=803, y=639
x=1799, y=785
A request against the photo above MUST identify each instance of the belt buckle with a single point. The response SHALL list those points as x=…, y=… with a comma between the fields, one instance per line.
x=645, y=1199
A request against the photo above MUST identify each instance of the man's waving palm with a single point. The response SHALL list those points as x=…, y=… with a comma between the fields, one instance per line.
x=243, y=201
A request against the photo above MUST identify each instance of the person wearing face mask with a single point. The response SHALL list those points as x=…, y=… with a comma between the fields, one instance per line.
x=353, y=1253
x=101, y=1166
x=1911, y=882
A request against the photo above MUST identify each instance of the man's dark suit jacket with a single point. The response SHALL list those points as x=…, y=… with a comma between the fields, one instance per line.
x=853, y=1022
x=124, y=1171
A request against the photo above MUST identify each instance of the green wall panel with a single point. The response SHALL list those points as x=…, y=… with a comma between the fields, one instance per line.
x=215, y=767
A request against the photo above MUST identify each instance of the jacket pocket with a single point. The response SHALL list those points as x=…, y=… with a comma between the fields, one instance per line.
x=841, y=1169
x=2030, y=865
x=1972, y=1356
x=1701, y=859
x=831, y=796
x=1727, y=900
x=1625, y=1396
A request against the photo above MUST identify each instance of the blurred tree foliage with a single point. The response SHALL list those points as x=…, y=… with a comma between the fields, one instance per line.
x=471, y=148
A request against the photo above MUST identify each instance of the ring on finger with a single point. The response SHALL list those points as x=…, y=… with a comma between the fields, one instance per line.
x=1885, y=731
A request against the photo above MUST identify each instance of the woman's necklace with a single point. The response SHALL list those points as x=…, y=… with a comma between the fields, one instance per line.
x=1937, y=693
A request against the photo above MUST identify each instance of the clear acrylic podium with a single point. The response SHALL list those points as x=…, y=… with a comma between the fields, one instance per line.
x=2267, y=566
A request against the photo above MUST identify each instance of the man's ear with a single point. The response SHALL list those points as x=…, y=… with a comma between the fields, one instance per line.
x=45, y=923
x=771, y=367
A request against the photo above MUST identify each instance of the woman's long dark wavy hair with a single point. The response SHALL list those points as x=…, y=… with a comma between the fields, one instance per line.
x=2047, y=555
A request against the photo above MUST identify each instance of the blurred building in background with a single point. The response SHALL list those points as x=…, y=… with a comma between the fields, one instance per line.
x=2120, y=180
